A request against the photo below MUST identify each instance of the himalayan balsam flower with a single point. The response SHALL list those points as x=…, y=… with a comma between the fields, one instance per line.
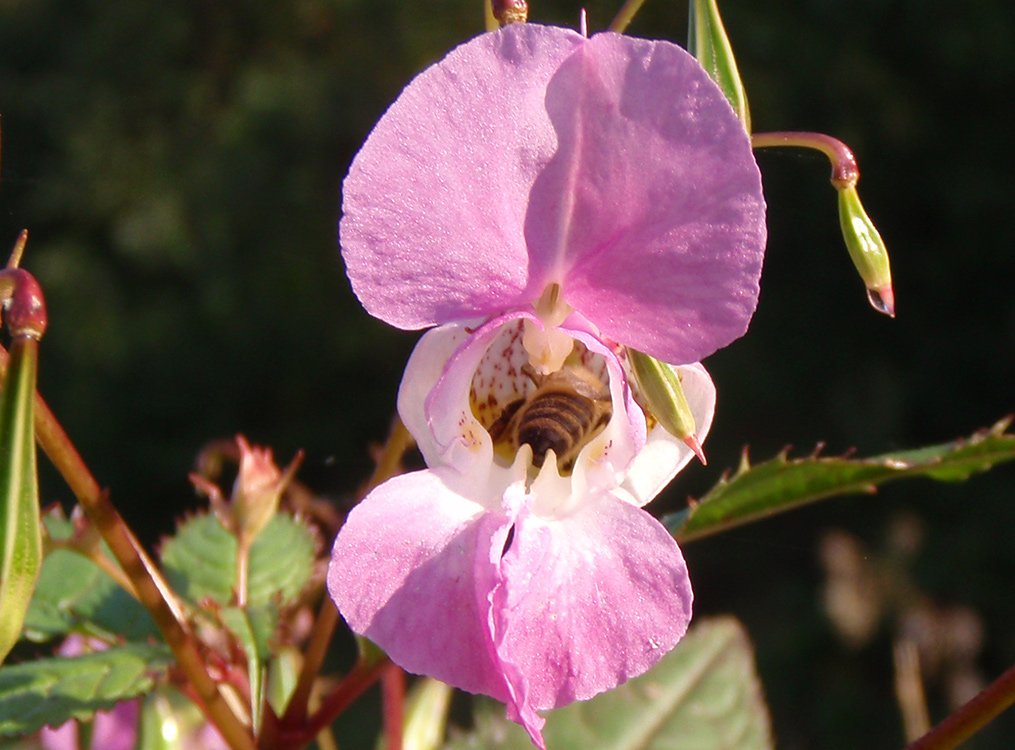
x=546, y=200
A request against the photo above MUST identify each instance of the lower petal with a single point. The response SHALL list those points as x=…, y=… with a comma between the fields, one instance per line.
x=411, y=570
x=587, y=602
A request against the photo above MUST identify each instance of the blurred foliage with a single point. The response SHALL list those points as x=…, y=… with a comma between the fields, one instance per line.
x=179, y=167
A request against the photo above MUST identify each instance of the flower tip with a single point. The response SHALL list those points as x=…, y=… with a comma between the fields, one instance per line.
x=882, y=299
x=692, y=442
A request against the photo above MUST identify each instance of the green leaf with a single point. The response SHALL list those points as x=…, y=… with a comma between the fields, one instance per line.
x=780, y=484
x=200, y=561
x=74, y=594
x=704, y=694
x=52, y=691
x=252, y=628
x=20, y=528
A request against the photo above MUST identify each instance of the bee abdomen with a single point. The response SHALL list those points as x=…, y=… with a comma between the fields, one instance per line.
x=557, y=421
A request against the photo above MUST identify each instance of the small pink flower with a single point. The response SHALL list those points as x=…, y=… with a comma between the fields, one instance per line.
x=547, y=200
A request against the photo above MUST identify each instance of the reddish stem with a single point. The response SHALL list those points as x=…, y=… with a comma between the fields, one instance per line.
x=845, y=171
x=393, y=702
x=983, y=708
x=363, y=675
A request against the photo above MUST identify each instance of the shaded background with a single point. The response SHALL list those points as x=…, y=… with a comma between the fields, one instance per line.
x=179, y=166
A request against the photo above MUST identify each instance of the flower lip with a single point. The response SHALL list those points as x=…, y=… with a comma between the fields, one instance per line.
x=566, y=156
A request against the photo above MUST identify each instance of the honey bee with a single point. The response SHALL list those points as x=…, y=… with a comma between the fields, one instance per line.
x=568, y=409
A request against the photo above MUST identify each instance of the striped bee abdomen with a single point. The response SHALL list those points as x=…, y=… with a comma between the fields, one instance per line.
x=557, y=420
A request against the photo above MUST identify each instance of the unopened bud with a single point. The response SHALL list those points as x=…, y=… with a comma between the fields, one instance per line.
x=663, y=395
x=708, y=42
x=867, y=250
x=20, y=527
x=426, y=715
x=258, y=488
x=510, y=11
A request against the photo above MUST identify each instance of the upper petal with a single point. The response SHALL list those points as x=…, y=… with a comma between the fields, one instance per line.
x=434, y=204
x=650, y=214
x=587, y=602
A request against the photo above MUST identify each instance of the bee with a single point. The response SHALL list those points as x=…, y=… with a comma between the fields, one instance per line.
x=568, y=409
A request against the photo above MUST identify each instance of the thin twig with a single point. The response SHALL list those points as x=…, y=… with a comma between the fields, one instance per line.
x=970, y=718
x=625, y=15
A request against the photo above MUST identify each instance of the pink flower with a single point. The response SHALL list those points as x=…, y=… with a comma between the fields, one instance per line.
x=547, y=200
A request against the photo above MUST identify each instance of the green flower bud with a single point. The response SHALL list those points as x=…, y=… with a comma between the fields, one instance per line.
x=426, y=715
x=20, y=529
x=662, y=394
x=708, y=42
x=867, y=250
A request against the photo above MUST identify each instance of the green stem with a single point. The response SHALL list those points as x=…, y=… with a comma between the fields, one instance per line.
x=845, y=172
x=151, y=589
x=625, y=15
x=983, y=708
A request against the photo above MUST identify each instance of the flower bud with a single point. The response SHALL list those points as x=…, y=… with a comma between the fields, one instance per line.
x=867, y=250
x=662, y=394
x=708, y=42
x=20, y=530
x=426, y=715
x=510, y=11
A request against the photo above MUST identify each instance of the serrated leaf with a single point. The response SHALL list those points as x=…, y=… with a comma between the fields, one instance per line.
x=200, y=561
x=782, y=483
x=74, y=594
x=52, y=691
x=704, y=695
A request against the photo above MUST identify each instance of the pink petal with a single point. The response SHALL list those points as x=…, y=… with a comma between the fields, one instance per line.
x=587, y=602
x=411, y=570
x=115, y=729
x=434, y=204
x=425, y=367
x=651, y=213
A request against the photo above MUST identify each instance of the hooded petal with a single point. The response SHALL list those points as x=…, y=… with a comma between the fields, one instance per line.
x=650, y=215
x=434, y=204
x=613, y=166
x=587, y=602
x=411, y=570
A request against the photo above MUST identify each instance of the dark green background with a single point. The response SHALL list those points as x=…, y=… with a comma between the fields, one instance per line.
x=179, y=164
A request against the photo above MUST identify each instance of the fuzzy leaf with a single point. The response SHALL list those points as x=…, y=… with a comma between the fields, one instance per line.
x=758, y=491
x=200, y=561
x=704, y=694
x=75, y=594
x=52, y=691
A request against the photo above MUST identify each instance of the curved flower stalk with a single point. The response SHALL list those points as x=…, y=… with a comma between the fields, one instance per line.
x=548, y=201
